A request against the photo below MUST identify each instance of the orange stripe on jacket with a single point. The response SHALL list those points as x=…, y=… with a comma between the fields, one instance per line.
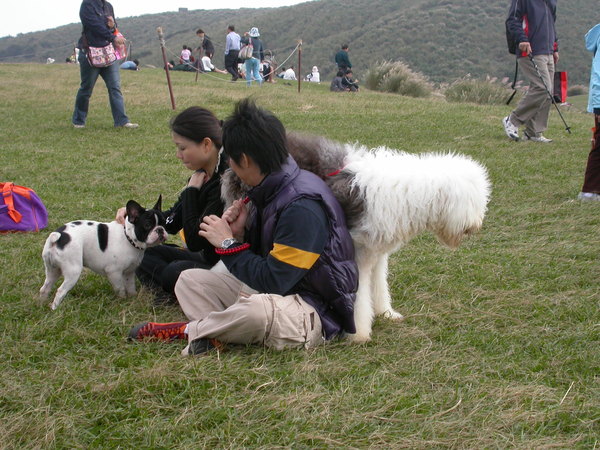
x=294, y=256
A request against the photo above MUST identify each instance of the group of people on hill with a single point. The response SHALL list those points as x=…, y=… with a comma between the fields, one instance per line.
x=344, y=79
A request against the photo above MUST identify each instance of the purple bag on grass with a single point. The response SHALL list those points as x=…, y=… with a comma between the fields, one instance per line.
x=21, y=209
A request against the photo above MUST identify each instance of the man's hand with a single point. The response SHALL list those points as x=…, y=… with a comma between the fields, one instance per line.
x=215, y=230
x=236, y=216
x=525, y=47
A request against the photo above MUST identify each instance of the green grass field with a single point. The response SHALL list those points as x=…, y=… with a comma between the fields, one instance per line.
x=499, y=348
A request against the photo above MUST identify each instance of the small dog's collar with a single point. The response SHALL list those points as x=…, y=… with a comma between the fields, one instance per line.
x=131, y=240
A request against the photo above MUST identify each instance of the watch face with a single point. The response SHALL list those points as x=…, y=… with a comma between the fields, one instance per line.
x=228, y=243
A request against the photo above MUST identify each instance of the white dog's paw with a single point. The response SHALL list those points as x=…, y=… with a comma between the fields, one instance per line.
x=393, y=315
x=358, y=338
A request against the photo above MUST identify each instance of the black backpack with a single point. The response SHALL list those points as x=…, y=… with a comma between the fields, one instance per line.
x=511, y=40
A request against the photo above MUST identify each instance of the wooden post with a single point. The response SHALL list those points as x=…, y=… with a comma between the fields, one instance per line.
x=164, y=55
x=299, y=65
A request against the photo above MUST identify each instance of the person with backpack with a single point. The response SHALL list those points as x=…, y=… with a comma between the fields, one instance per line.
x=94, y=16
x=253, y=63
x=591, y=181
x=531, y=25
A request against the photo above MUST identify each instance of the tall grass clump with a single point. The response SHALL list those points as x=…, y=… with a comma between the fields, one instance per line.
x=483, y=92
x=577, y=89
x=398, y=78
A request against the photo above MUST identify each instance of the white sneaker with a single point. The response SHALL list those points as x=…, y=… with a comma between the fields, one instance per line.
x=539, y=138
x=130, y=125
x=76, y=125
x=589, y=197
x=511, y=131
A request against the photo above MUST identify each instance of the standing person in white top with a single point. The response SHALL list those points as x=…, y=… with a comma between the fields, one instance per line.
x=232, y=49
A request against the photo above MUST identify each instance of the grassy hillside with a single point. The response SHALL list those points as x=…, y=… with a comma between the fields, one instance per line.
x=500, y=343
x=443, y=39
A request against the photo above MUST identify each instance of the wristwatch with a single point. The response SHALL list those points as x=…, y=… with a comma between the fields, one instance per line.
x=229, y=242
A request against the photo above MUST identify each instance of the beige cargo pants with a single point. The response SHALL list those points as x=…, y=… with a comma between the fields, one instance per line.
x=533, y=109
x=220, y=306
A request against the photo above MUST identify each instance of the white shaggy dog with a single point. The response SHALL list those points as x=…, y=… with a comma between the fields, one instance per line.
x=389, y=197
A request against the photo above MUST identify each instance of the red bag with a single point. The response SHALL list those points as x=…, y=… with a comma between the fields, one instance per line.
x=560, y=87
x=21, y=209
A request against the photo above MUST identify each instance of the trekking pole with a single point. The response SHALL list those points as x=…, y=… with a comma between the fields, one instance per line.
x=164, y=55
x=567, y=127
x=299, y=64
x=514, y=83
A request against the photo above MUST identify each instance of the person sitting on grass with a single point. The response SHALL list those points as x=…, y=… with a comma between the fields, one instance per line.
x=336, y=84
x=196, y=133
x=349, y=83
x=292, y=278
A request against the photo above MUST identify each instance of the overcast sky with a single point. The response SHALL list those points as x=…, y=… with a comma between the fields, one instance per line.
x=24, y=16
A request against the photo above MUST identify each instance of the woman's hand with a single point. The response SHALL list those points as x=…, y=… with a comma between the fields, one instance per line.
x=197, y=179
x=121, y=214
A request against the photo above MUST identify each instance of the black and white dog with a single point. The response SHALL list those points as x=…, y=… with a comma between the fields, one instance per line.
x=389, y=197
x=109, y=249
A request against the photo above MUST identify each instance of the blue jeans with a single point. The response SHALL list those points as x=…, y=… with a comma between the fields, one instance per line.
x=252, y=71
x=112, y=79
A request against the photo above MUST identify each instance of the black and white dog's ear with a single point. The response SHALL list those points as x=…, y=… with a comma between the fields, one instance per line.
x=158, y=205
x=134, y=210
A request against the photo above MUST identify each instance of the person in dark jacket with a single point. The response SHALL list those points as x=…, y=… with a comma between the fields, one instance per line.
x=291, y=277
x=196, y=133
x=348, y=82
x=206, y=47
x=531, y=22
x=342, y=59
x=94, y=16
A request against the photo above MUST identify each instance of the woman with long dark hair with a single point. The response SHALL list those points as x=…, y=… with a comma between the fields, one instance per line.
x=196, y=133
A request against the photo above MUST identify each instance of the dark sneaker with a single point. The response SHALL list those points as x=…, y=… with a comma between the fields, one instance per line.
x=158, y=331
x=201, y=346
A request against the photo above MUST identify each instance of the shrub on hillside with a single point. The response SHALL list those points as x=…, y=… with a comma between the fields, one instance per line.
x=577, y=89
x=484, y=92
x=396, y=77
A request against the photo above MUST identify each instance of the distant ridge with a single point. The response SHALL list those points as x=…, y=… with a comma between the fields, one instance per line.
x=442, y=39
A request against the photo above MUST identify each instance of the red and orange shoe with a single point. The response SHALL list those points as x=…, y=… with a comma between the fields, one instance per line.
x=158, y=331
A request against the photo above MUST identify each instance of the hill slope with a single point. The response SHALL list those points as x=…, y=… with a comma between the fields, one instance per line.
x=443, y=39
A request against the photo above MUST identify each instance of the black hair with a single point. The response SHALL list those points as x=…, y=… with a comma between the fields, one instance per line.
x=136, y=62
x=344, y=46
x=196, y=123
x=231, y=27
x=258, y=134
x=199, y=31
x=340, y=73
